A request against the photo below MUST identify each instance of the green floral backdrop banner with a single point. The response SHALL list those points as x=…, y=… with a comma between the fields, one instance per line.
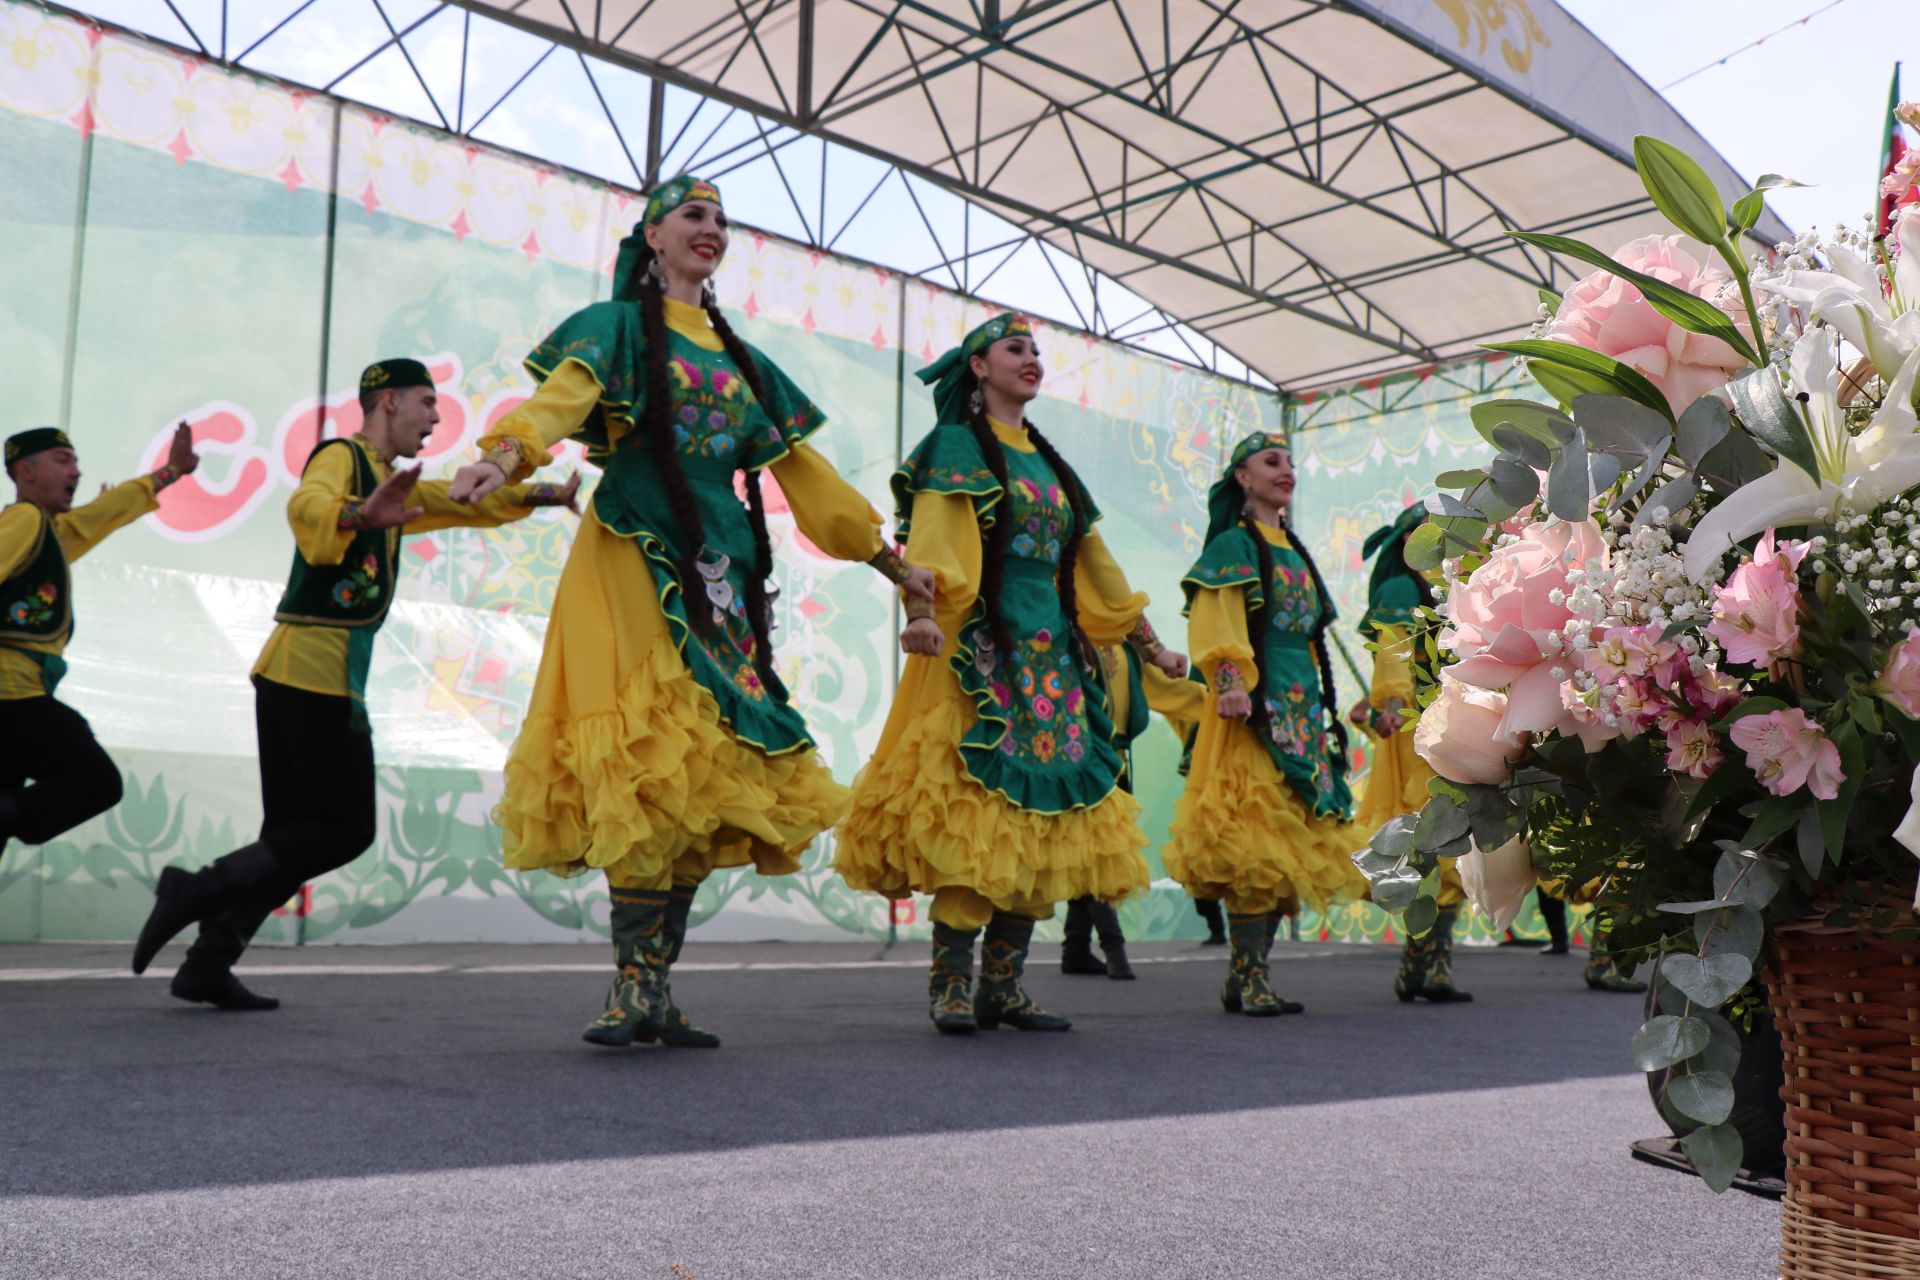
x=209, y=247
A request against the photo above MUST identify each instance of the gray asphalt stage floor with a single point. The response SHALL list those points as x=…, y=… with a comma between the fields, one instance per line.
x=431, y=1111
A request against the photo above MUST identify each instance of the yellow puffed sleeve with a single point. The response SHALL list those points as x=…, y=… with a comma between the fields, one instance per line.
x=1217, y=632
x=945, y=538
x=1392, y=669
x=19, y=531
x=313, y=511
x=555, y=411
x=86, y=527
x=830, y=512
x=1108, y=607
x=502, y=506
x=1176, y=698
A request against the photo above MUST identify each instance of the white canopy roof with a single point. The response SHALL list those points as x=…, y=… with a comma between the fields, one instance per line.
x=1322, y=187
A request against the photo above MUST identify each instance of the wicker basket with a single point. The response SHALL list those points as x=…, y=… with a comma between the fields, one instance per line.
x=1848, y=1006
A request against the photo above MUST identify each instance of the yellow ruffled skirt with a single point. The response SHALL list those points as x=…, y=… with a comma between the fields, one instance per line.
x=623, y=764
x=919, y=823
x=1397, y=784
x=1241, y=833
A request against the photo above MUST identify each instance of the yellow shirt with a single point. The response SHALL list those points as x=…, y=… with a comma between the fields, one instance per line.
x=315, y=658
x=79, y=531
x=828, y=511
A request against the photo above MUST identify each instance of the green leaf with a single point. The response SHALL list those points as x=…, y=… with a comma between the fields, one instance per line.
x=1809, y=842
x=1834, y=812
x=1445, y=504
x=1776, y=814
x=1585, y=372
x=1742, y=878
x=1731, y=931
x=1397, y=890
x=1773, y=419
x=1716, y=1154
x=1736, y=461
x=1702, y=425
x=1746, y=210
x=1550, y=299
x=1666, y=1040
x=1423, y=550
x=1459, y=479
x=1723, y=1051
x=1531, y=454
x=1751, y=707
x=1695, y=315
x=1541, y=422
x=1441, y=820
x=1515, y=483
x=1569, y=491
x=1706, y=1096
x=1709, y=982
x=1669, y=497
x=1680, y=189
x=1421, y=915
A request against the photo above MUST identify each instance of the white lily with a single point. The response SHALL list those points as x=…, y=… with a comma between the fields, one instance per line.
x=1864, y=471
x=1851, y=299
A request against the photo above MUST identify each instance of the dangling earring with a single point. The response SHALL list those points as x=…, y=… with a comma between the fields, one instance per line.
x=976, y=403
x=659, y=274
x=707, y=298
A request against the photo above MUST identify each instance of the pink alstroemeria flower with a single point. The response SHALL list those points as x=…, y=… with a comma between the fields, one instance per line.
x=1756, y=615
x=1787, y=751
x=1691, y=749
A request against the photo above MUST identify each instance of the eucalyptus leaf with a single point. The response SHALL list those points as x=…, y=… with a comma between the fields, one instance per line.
x=1740, y=879
x=1445, y=504
x=1421, y=915
x=1665, y=1040
x=1706, y=1096
x=1394, y=839
x=1731, y=931
x=1723, y=1050
x=1542, y=422
x=1569, y=491
x=1702, y=425
x=1736, y=461
x=1440, y=821
x=1532, y=454
x=1397, y=890
x=1773, y=419
x=1602, y=470
x=1716, y=1153
x=1669, y=497
x=1515, y=482
x=1709, y=982
x=1459, y=479
x=1680, y=189
x=1423, y=549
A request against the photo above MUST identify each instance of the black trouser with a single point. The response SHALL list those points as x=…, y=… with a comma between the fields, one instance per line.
x=1554, y=912
x=50, y=745
x=317, y=791
x=1087, y=915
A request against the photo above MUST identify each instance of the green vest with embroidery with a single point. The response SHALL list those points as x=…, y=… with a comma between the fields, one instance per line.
x=34, y=602
x=356, y=592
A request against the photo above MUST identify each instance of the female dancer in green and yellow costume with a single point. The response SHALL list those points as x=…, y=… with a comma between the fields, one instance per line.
x=1261, y=823
x=996, y=786
x=659, y=744
x=1397, y=782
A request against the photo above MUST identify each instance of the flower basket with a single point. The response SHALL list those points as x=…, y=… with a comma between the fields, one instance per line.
x=1847, y=1001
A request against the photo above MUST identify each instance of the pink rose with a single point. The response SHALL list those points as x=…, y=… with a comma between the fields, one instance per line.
x=1756, y=614
x=1899, y=682
x=1604, y=313
x=1787, y=751
x=1691, y=749
x=1459, y=734
x=1504, y=624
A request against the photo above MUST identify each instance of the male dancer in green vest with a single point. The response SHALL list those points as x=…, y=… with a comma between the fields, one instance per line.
x=316, y=746
x=43, y=741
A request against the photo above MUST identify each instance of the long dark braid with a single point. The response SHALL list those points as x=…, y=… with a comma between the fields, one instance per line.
x=1069, y=554
x=994, y=550
x=1260, y=618
x=1329, y=696
x=658, y=426
x=759, y=606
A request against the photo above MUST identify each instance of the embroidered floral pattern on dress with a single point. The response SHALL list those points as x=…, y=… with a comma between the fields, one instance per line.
x=37, y=608
x=360, y=586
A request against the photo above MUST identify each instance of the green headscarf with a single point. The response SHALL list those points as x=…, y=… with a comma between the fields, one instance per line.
x=948, y=372
x=666, y=197
x=1224, y=499
x=1385, y=547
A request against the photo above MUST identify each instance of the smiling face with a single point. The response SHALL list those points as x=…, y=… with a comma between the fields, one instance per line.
x=690, y=241
x=1010, y=369
x=1267, y=479
x=48, y=479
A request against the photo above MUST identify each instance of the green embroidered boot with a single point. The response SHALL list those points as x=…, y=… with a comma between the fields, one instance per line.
x=637, y=1001
x=950, y=1002
x=1412, y=978
x=676, y=1032
x=1287, y=907
x=999, y=998
x=1438, y=986
x=1247, y=990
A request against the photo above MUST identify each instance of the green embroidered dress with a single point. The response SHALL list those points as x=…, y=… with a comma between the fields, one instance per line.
x=998, y=772
x=1263, y=814
x=653, y=749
